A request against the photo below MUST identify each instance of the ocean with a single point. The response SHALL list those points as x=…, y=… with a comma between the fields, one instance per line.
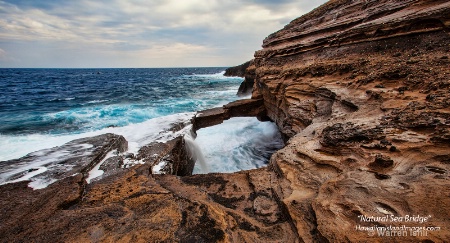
x=44, y=108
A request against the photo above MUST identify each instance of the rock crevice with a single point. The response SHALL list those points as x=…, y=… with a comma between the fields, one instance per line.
x=348, y=85
x=360, y=89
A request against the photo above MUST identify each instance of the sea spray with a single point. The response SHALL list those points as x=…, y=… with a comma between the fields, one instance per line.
x=144, y=110
x=195, y=151
x=240, y=143
x=74, y=101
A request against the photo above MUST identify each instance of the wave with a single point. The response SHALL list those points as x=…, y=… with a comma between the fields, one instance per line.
x=137, y=135
x=237, y=144
x=96, y=117
x=213, y=77
x=240, y=143
x=142, y=111
x=99, y=117
x=96, y=101
x=62, y=99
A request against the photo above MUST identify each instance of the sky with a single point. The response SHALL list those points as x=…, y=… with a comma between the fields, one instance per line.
x=138, y=33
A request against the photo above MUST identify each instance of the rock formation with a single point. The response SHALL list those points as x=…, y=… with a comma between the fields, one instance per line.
x=172, y=156
x=78, y=156
x=360, y=90
x=247, y=71
x=237, y=71
x=239, y=108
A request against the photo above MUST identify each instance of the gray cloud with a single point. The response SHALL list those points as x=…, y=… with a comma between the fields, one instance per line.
x=31, y=4
x=138, y=33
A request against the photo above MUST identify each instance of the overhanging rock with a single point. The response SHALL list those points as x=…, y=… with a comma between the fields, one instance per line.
x=239, y=108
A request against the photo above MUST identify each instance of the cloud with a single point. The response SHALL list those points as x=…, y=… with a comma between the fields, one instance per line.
x=5, y=58
x=228, y=30
x=2, y=54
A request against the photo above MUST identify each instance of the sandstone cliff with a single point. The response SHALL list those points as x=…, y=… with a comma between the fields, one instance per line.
x=360, y=90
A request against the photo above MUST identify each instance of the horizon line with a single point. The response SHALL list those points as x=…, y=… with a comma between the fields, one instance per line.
x=112, y=67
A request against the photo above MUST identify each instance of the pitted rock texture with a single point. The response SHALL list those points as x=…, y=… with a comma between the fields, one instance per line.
x=360, y=89
x=136, y=206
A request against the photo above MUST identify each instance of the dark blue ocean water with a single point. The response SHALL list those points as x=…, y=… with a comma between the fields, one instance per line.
x=44, y=108
x=62, y=101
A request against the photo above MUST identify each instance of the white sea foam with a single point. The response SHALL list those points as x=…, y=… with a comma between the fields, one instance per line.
x=157, y=168
x=96, y=172
x=96, y=101
x=219, y=75
x=38, y=170
x=238, y=144
x=215, y=76
x=196, y=152
x=137, y=135
x=231, y=146
x=30, y=169
x=16, y=146
x=62, y=99
x=43, y=161
x=41, y=183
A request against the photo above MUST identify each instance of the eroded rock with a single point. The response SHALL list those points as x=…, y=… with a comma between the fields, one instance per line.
x=239, y=108
x=247, y=71
x=340, y=82
x=381, y=162
x=362, y=98
x=47, y=166
x=171, y=157
x=237, y=71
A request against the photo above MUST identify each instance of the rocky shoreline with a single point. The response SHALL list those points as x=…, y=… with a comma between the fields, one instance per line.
x=360, y=91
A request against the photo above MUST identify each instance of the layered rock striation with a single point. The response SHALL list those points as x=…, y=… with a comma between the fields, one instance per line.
x=360, y=90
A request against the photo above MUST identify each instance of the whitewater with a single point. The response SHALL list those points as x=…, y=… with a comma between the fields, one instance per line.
x=45, y=108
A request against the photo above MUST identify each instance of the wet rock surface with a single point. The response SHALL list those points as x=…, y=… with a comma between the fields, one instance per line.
x=49, y=165
x=360, y=91
x=171, y=157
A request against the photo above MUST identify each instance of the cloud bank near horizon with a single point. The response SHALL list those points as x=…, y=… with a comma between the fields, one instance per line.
x=137, y=33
